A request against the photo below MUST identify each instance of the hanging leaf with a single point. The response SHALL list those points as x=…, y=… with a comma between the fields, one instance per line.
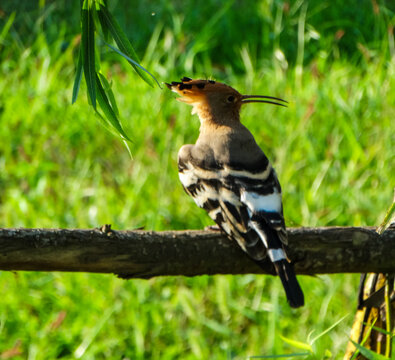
x=109, y=93
x=108, y=110
x=133, y=62
x=103, y=23
x=78, y=76
x=88, y=50
x=109, y=22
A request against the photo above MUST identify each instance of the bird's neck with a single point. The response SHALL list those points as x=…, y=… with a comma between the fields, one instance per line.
x=212, y=119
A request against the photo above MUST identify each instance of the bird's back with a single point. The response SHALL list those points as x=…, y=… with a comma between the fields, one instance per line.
x=217, y=177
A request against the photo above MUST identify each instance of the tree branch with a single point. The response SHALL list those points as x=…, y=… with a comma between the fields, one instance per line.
x=144, y=254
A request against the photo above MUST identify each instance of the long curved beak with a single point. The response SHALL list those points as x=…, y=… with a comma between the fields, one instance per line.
x=271, y=100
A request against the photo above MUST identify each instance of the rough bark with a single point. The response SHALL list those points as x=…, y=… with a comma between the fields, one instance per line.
x=144, y=254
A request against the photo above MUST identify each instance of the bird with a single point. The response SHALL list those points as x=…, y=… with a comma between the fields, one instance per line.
x=228, y=175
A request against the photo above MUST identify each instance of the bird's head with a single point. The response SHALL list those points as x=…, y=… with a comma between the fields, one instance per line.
x=215, y=101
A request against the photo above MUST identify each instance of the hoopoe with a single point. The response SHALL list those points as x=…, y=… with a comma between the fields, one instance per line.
x=229, y=176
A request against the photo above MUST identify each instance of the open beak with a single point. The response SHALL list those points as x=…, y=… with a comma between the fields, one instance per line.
x=270, y=100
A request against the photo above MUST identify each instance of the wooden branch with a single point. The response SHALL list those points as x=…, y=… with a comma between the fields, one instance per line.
x=144, y=254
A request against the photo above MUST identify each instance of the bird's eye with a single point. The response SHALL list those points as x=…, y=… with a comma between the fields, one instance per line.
x=230, y=99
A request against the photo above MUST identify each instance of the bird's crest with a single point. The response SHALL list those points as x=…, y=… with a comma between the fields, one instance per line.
x=193, y=91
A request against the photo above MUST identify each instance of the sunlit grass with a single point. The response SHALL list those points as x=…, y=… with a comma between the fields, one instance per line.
x=332, y=149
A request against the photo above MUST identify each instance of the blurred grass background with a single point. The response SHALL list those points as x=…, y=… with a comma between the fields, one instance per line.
x=333, y=149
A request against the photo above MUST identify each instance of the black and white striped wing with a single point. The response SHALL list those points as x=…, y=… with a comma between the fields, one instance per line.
x=263, y=200
x=230, y=198
x=264, y=204
x=221, y=202
x=248, y=208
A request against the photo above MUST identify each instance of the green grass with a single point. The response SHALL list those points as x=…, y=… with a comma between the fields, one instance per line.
x=333, y=149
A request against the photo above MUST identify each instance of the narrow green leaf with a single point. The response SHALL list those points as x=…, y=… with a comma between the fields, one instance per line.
x=108, y=111
x=99, y=21
x=81, y=349
x=7, y=26
x=110, y=129
x=122, y=42
x=380, y=330
x=109, y=93
x=97, y=59
x=388, y=314
x=104, y=27
x=107, y=125
x=328, y=329
x=297, y=344
x=78, y=76
x=369, y=354
x=88, y=52
x=366, y=337
x=133, y=62
x=282, y=356
x=215, y=326
x=128, y=148
x=388, y=219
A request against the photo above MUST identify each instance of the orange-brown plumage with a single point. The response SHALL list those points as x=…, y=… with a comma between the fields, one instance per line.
x=216, y=103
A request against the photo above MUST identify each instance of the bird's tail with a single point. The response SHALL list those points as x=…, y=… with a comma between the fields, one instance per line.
x=270, y=239
x=291, y=286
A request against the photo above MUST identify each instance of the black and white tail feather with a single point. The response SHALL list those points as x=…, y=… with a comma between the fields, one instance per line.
x=281, y=264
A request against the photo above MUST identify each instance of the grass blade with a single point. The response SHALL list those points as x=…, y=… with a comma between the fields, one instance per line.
x=328, y=329
x=380, y=330
x=282, y=356
x=388, y=314
x=6, y=27
x=366, y=337
x=369, y=354
x=297, y=344
x=88, y=340
x=78, y=76
x=123, y=43
x=388, y=219
x=88, y=51
x=108, y=110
